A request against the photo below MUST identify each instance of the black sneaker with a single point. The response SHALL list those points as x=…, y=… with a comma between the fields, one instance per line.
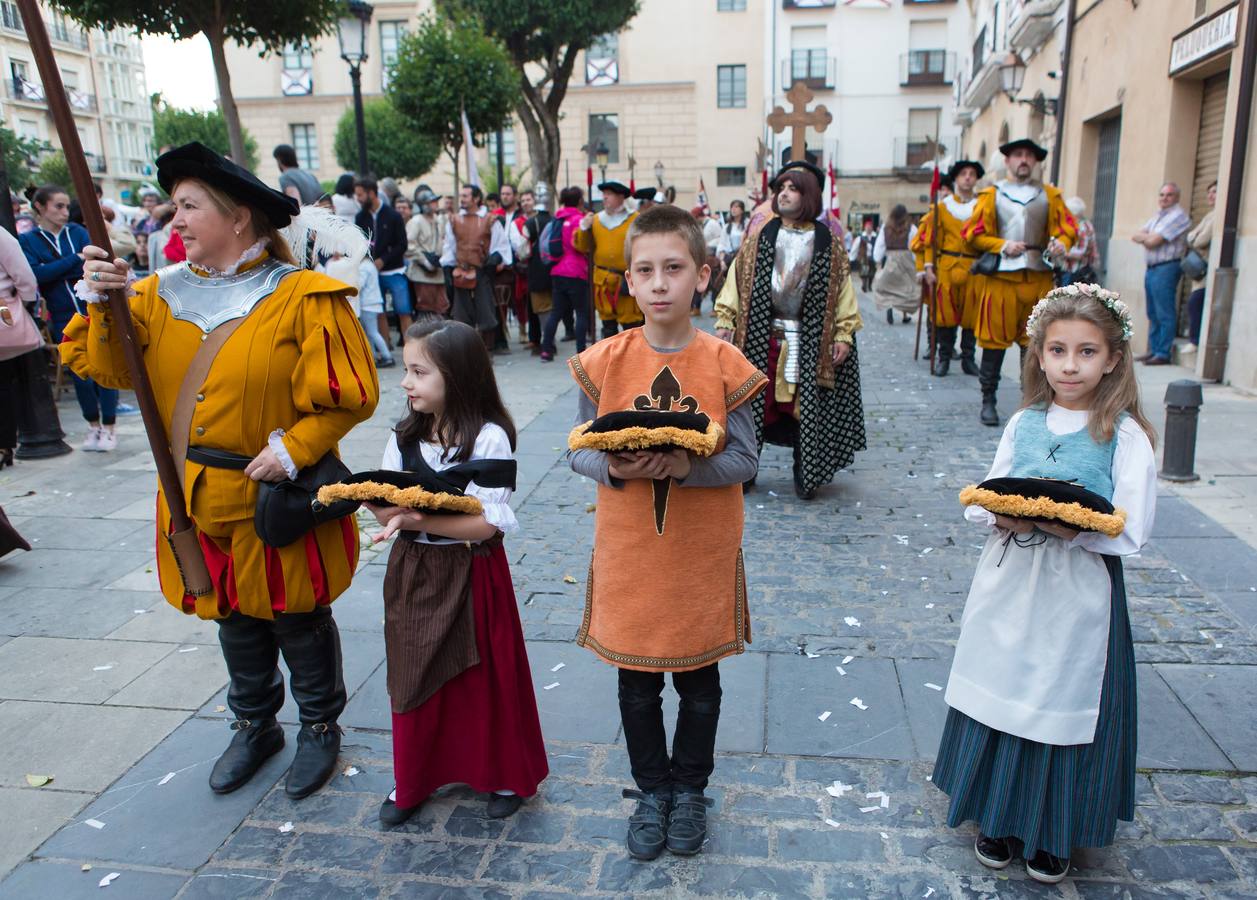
x=994, y=853
x=500, y=806
x=1047, y=868
x=687, y=823
x=648, y=826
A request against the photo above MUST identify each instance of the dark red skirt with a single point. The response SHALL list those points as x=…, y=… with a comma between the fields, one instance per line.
x=481, y=728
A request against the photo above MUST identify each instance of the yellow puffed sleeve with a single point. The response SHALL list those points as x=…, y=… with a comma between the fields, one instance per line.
x=91, y=346
x=334, y=385
x=847, y=320
x=727, y=302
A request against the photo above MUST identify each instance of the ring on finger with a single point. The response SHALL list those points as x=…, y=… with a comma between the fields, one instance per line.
x=95, y=276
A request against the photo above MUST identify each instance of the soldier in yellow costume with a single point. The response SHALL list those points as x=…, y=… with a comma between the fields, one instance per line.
x=946, y=270
x=290, y=381
x=1017, y=221
x=601, y=237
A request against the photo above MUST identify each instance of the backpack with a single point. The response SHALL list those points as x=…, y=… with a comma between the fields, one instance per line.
x=550, y=246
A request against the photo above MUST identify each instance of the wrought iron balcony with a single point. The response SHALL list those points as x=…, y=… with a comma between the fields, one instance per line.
x=927, y=68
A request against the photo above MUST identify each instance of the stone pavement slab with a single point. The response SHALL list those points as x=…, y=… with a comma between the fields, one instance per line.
x=67, y=881
x=185, y=679
x=31, y=817
x=1224, y=700
x=69, y=612
x=70, y=671
x=1170, y=737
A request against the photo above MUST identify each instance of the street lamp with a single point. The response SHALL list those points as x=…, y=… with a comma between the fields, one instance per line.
x=1012, y=75
x=659, y=173
x=351, y=30
x=601, y=157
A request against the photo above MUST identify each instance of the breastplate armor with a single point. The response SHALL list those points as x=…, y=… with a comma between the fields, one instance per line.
x=209, y=301
x=791, y=263
x=1026, y=222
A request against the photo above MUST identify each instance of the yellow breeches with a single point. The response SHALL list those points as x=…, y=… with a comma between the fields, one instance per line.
x=953, y=300
x=609, y=303
x=1004, y=302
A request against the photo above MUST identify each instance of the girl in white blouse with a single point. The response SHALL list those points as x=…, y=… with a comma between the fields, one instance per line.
x=461, y=690
x=1039, y=745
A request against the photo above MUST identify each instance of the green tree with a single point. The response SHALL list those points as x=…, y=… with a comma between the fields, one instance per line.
x=53, y=169
x=447, y=66
x=174, y=127
x=20, y=154
x=394, y=146
x=270, y=24
x=544, y=41
x=510, y=174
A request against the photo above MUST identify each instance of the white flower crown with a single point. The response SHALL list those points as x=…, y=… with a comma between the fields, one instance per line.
x=1111, y=301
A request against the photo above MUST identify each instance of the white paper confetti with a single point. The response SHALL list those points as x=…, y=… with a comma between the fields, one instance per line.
x=837, y=789
x=879, y=795
x=901, y=538
x=929, y=606
x=165, y=779
x=940, y=474
x=102, y=668
x=831, y=823
x=556, y=668
x=847, y=659
x=285, y=828
x=869, y=809
x=932, y=686
x=108, y=879
x=140, y=612
x=858, y=703
x=929, y=892
x=929, y=777
x=840, y=670
x=825, y=715
x=94, y=823
x=885, y=836
x=188, y=649
x=352, y=771
x=813, y=655
x=759, y=506
x=927, y=550
x=851, y=621
x=773, y=494
x=551, y=686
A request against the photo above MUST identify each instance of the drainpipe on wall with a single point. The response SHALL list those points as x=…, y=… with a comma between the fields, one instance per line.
x=1058, y=141
x=1224, y=278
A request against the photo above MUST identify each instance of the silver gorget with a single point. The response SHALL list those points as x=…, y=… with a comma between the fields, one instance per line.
x=209, y=301
x=792, y=260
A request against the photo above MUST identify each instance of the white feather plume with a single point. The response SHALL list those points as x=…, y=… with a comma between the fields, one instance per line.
x=332, y=235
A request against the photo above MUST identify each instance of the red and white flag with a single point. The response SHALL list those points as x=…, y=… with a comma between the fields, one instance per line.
x=473, y=174
x=702, y=195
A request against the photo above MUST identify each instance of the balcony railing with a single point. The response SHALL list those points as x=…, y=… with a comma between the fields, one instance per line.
x=916, y=154
x=815, y=68
x=808, y=4
x=930, y=68
x=1030, y=23
x=58, y=29
x=95, y=162
x=64, y=34
x=24, y=91
x=81, y=101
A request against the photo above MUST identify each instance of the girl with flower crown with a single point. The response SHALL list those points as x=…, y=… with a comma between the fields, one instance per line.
x=1039, y=744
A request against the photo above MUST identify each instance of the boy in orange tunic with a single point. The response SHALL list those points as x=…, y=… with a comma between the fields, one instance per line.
x=667, y=591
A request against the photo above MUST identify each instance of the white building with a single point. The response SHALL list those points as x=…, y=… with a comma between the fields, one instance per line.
x=884, y=69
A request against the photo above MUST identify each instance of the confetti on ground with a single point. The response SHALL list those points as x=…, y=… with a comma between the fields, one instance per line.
x=285, y=828
x=929, y=892
x=813, y=655
x=108, y=879
x=869, y=809
x=847, y=659
x=102, y=668
x=759, y=506
x=929, y=777
x=772, y=493
x=550, y=687
x=94, y=823
x=837, y=789
x=901, y=538
x=858, y=703
x=568, y=579
x=38, y=780
x=825, y=715
x=927, y=550
x=840, y=670
x=831, y=823
x=932, y=686
x=556, y=668
x=220, y=709
x=352, y=771
x=852, y=621
x=879, y=795
x=940, y=474
x=188, y=649
x=86, y=867
x=929, y=606
x=166, y=778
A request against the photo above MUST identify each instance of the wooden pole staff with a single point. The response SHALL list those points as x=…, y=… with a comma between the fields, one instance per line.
x=183, y=539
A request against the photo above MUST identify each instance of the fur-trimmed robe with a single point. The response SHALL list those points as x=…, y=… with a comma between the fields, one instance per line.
x=827, y=402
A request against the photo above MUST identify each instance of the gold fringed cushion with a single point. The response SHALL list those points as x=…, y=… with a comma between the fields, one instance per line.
x=415, y=497
x=648, y=430
x=1045, y=500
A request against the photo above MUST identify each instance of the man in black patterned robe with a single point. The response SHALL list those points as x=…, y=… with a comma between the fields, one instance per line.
x=791, y=309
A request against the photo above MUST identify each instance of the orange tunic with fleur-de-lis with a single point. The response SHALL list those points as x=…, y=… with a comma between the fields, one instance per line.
x=667, y=588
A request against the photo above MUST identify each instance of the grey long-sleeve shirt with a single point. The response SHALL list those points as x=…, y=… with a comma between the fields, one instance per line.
x=738, y=462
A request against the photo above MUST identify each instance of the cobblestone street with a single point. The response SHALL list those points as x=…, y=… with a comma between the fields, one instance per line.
x=855, y=595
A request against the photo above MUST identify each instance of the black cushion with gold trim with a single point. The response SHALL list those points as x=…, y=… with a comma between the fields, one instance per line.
x=404, y=489
x=648, y=429
x=1047, y=500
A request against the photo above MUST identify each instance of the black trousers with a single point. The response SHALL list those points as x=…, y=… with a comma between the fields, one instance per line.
x=570, y=301
x=310, y=643
x=694, y=744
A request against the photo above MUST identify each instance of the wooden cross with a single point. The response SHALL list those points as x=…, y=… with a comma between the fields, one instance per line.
x=799, y=119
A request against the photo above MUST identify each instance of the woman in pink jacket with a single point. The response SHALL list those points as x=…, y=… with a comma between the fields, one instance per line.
x=569, y=278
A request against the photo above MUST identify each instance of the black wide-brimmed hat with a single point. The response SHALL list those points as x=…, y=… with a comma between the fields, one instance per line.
x=964, y=164
x=617, y=187
x=1040, y=153
x=646, y=193
x=1047, y=500
x=195, y=160
x=800, y=164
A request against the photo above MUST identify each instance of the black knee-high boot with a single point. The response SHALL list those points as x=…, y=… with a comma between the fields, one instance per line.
x=310, y=643
x=968, y=342
x=945, y=339
x=255, y=694
x=610, y=327
x=988, y=378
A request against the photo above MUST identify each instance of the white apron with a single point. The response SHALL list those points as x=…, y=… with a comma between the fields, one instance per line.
x=1034, y=640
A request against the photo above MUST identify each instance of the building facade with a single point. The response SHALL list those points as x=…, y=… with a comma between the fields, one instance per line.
x=1158, y=99
x=103, y=76
x=885, y=71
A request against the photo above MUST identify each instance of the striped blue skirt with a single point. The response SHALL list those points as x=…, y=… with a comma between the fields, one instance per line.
x=1050, y=797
